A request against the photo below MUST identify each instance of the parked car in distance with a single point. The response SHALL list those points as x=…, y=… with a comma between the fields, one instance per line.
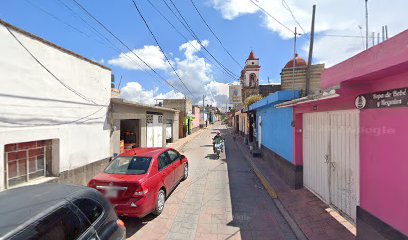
x=56, y=211
x=138, y=181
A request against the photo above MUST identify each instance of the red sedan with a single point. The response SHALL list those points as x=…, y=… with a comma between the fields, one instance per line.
x=138, y=181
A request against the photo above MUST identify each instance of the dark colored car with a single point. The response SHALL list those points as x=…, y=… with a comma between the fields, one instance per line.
x=138, y=181
x=58, y=212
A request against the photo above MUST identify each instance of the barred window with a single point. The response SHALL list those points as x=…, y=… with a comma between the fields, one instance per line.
x=149, y=118
x=160, y=119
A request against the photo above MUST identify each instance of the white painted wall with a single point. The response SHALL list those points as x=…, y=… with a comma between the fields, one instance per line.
x=35, y=106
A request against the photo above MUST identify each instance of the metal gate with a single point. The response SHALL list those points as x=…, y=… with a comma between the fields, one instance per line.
x=154, y=130
x=331, y=158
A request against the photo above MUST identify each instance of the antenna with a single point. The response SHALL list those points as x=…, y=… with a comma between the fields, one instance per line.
x=366, y=7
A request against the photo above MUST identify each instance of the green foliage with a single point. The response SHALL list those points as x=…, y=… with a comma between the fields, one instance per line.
x=251, y=100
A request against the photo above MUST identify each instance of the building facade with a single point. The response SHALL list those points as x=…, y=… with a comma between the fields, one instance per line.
x=350, y=141
x=185, y=106
x=54, y=122
x=138, y=125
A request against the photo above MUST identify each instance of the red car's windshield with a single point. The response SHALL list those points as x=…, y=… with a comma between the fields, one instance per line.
x=129, y=165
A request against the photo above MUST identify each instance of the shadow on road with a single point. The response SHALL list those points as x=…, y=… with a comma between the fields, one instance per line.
x=135, y=224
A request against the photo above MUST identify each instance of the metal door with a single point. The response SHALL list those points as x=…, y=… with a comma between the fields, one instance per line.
x=331, y=158
x=315, y=150
x=344, y=161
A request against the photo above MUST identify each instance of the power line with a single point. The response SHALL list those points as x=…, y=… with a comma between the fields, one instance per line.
x=49, y=71
x=112, y=45
x=270, y=15
x=60, y=20
x=286, y=5
x=194, y=35
x=161, y=49
x=188, y=41
x=118, y=39
x=215, y=35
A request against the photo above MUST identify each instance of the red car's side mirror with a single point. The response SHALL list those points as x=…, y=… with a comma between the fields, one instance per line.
x=182, y=157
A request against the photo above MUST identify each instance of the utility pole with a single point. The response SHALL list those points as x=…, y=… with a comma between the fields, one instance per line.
x=373, y=34
x=366, y=7
x=294, y=65
x=378, y=38
x=386, y=32
x=309, y=60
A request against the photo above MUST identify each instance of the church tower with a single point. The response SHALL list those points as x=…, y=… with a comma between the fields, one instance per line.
x=250, y=77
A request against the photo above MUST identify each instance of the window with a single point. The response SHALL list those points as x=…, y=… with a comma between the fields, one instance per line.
x=173, y=155
x=164, y=161
x=252, y=80
x=91, y=209
x=26, y=161
x=160, y=119
x=129, y=165
x=149, y=118
x=60, y=224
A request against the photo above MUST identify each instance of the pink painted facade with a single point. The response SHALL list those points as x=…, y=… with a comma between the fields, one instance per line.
x=383, y=131
x=196, y=120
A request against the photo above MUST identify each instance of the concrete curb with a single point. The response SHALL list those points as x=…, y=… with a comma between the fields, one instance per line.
x=271, y=192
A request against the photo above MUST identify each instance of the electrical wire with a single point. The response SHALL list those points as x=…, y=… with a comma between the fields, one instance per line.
x=287, y=7
x=194, y=35
x=62, y=21
x=187, y=40
x=119, y=40
x=161, y=49
x=52, y=74
x=108, y=41
x=213, y=33
x=270, y=15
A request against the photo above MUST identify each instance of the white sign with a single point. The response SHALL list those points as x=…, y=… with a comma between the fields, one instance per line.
x=235, y=96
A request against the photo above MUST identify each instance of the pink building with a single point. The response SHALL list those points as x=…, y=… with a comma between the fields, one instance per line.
x=351, y=140
x=196, y=120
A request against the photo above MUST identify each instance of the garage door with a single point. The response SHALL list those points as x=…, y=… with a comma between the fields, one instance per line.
x=154, y=130
x=331, y=158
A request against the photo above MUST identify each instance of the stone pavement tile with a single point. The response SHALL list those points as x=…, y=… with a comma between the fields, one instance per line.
x=229, y=230
x=179, y=236
x=219, y=218
x=204, y=218
x=207, y=228
x=304, y=207
x=206, y=236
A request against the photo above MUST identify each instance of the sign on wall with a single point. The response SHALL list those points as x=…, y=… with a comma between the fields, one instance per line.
x=384, y=99
x=235, y=94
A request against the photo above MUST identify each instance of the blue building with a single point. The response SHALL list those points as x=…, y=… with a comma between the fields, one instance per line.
x=274, y=134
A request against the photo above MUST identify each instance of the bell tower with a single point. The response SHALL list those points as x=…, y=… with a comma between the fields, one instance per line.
x=250, y=77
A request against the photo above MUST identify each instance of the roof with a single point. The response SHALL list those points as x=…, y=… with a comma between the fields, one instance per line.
x=275, y=98
x=252, y=56
x=144, y=152
x=141, y=105
x=32, y=36
x=22, y=205
x=387, y=58
x=296, y=62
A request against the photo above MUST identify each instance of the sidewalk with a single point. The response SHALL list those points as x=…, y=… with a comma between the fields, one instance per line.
x=310, y=214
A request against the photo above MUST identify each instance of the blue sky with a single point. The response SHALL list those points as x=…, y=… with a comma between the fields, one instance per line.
x=240, y=25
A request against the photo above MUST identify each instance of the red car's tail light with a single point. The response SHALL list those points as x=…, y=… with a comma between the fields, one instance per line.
x=140, y=191
x=92, y=184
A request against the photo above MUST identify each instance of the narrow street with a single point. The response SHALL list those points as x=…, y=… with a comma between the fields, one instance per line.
x=221, y=199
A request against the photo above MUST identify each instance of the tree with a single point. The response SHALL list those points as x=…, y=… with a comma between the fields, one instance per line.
x=251, y=100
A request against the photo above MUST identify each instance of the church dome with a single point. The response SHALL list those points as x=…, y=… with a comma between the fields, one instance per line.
x=299, y=62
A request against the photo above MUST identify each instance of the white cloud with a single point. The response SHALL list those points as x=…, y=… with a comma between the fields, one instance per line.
x=133, y=91
x=335, y=17
x=150, y=54
x=196, y=74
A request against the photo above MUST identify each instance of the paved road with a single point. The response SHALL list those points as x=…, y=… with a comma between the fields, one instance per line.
x=221, y=199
